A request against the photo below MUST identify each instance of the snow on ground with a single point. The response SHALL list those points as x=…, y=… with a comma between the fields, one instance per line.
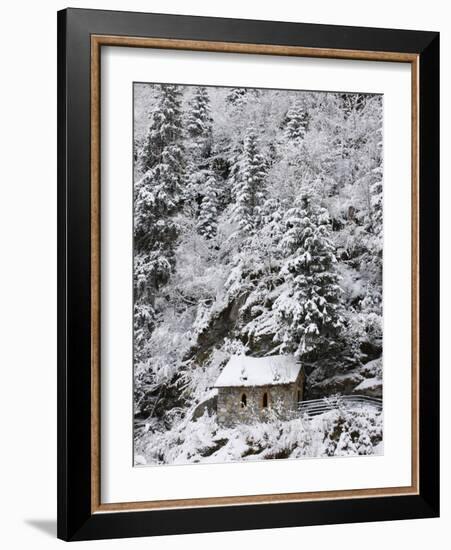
x=341, y=432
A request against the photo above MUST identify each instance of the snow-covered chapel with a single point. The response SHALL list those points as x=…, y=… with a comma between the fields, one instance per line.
x=249, y=387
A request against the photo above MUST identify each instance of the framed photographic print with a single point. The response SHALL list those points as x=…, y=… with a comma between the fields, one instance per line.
x=248, y=274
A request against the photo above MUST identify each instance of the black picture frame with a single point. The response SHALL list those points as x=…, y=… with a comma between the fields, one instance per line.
x=76, y=521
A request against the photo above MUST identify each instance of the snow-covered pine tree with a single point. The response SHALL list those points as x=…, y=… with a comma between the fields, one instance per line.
x=248, y=184
x=164, y=127
x=296, y=122
x=198, y=145
x=207, y=221
x=199, y=121
x=157, y=199
x=308, y=309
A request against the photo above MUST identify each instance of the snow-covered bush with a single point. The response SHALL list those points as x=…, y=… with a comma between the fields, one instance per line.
x=352, y=432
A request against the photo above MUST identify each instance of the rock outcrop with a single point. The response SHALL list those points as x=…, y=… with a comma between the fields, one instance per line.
x=363, y=380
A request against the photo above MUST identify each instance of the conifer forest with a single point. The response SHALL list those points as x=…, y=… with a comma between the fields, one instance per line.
x=258, y=227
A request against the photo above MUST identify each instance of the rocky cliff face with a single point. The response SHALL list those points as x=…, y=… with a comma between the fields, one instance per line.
x=362, y=380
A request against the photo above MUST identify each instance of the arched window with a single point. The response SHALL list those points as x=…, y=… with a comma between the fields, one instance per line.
x=243, y=401
x=265, y=400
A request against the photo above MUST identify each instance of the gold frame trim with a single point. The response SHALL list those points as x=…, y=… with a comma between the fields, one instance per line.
x=97, y=41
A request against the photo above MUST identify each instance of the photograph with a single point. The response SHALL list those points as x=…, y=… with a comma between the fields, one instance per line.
x=257, y=274
x=248, y=252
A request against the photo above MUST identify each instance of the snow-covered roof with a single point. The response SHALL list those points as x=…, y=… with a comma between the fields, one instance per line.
x=242, y=370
